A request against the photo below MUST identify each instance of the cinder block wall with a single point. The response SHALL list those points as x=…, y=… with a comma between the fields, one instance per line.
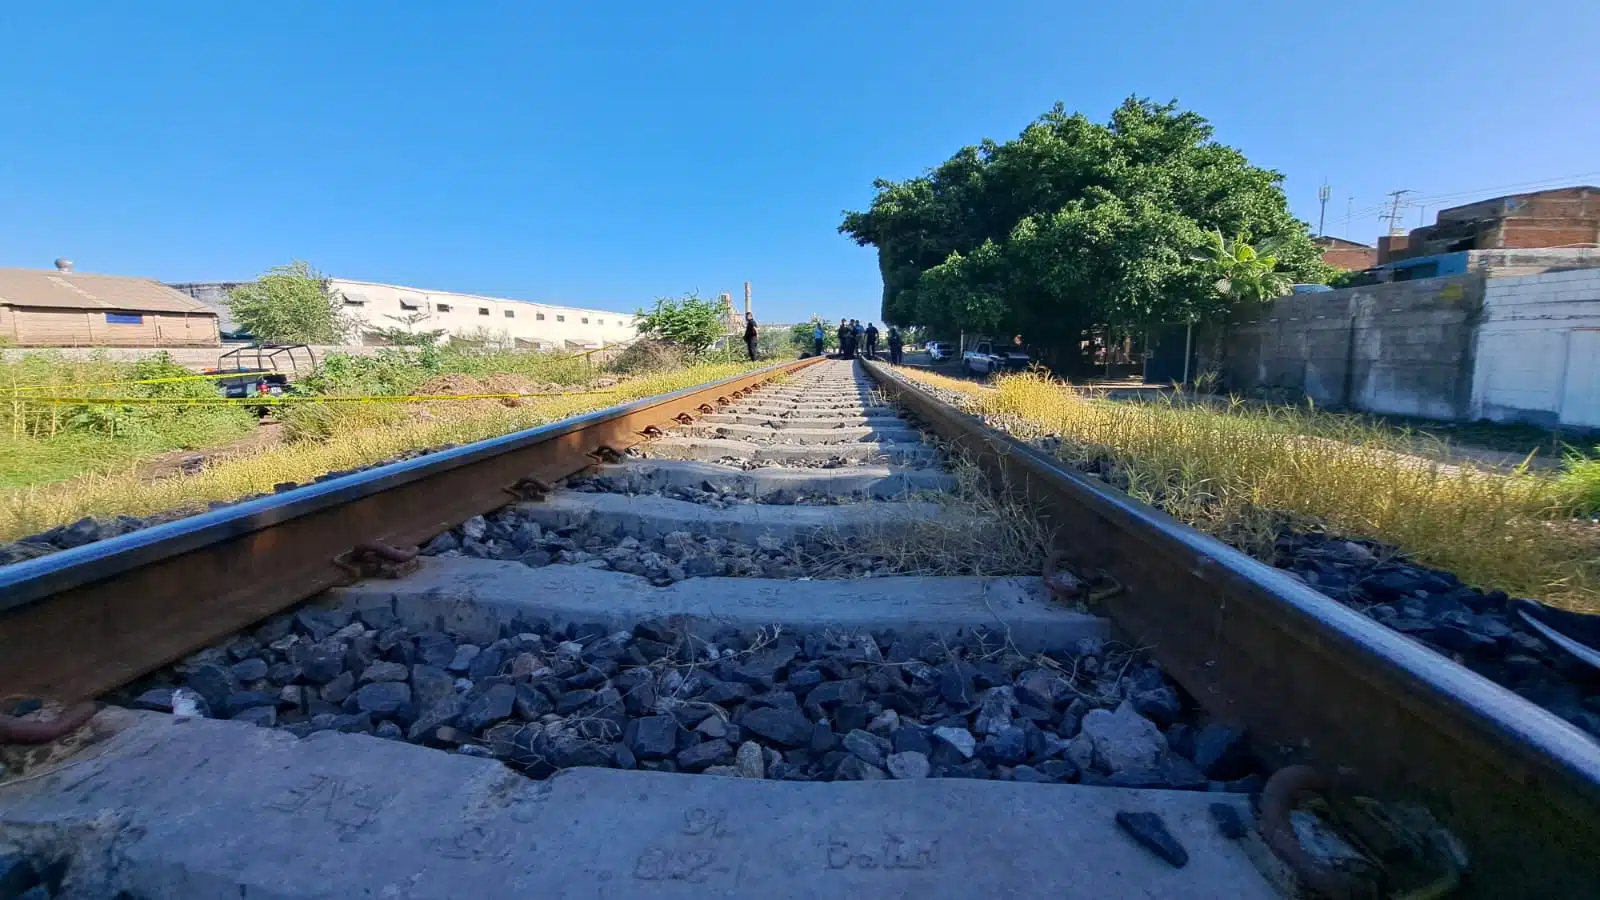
x=1538, y=357
x=1404, y=347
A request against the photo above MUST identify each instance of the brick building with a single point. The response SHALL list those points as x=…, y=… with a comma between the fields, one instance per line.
x=1347, y=255
x=1558, y=218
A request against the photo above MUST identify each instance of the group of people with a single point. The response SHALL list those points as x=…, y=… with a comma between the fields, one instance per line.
x=854, y=339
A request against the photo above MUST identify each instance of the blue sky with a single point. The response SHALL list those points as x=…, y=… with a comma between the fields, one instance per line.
x=606, y=153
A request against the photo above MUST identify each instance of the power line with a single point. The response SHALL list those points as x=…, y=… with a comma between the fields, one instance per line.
x=1502, y=187
x=1441, y=198
x=1393, y=215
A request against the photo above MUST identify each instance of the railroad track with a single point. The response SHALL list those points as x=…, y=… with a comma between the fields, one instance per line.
x=788, y=584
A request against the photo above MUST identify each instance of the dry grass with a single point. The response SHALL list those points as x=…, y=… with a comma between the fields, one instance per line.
x=30, y=510
x=1237, y=472
x=978, y=533
x=960, y=385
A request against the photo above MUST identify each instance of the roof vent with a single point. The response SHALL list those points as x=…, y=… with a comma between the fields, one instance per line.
x=63, y=264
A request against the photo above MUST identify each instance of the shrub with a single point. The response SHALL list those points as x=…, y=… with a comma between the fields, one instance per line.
x=647, y=356
x=690, y=322
x=290, y=304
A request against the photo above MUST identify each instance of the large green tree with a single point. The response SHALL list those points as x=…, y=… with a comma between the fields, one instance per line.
x=290, y=304
x=1074, y=224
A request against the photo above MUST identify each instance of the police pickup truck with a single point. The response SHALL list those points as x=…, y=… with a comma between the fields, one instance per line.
x=988, y=357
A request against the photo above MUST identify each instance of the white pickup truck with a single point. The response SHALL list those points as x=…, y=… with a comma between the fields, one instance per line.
x=986, y=358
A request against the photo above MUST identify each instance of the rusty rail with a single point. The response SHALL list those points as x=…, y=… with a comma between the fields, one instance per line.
x=1314, y=682
x=80, y=622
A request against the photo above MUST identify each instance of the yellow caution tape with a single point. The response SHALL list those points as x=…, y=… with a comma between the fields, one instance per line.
x=172, y=380
x=269, y=400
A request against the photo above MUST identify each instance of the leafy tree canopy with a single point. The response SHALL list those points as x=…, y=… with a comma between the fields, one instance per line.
x=1073, y=224
x=689, y=322
x=290, y=304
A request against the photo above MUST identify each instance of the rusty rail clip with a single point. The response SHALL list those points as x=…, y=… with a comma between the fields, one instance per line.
x=707, y=408
x=375, y=559
x=652, y=431
x=1404, y=852
x=605, y=453
x=1064, y=586
x=684, y=419
x=14, y=730
x=529, y=487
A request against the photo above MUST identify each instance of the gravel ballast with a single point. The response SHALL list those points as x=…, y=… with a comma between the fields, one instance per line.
x=806, y=707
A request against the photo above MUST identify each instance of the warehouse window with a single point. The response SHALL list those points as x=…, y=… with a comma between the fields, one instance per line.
x=538, y=317
x=441, y=307
x=510, y=314
x=410, y=305
x=599, y=321
x=561, y=318
x=483, y=310
x=585, y=320
x=124, y=318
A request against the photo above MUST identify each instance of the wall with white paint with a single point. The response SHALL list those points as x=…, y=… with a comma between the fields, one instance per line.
x=1538, y=350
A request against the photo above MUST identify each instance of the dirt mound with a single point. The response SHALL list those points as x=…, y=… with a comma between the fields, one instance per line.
x=452, y=384
x=507, y=383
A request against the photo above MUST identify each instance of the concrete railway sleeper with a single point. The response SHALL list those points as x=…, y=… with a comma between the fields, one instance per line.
x=802, y=598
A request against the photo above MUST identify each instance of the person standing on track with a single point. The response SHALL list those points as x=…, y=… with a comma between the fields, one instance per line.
x=750, y=335
x=895, y=343
x=846, y=334
x=872, y=341
x=817, y=337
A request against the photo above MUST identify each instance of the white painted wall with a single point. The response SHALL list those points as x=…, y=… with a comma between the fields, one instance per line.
x=1535, y=350
x=382, y=305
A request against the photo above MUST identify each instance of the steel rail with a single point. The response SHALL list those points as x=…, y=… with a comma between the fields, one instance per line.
x=80, y=622
x=1313, y=681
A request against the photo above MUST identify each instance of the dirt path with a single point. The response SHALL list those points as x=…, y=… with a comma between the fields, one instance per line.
x=188, y=462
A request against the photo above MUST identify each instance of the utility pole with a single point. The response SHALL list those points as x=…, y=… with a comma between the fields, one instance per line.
x=1393, y=215
x=1322, y=197
x=747, y=298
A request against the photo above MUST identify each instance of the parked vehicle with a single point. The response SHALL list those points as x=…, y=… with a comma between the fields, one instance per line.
x=939, y=351
x=258, y=370
x=986, y=358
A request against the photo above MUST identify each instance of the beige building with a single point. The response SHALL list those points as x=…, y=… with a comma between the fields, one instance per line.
x=63, y=308
x=377, y=306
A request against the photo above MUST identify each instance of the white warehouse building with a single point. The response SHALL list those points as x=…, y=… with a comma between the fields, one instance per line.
x=377, y=306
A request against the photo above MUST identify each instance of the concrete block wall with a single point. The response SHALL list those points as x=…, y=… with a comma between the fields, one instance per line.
x=1402, y=347
x=1538, y=353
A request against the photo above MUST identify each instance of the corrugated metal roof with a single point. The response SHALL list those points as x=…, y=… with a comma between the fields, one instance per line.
x=76, y=290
